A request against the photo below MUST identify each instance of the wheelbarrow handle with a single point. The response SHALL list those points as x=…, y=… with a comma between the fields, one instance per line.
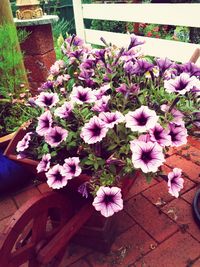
x=61, y=239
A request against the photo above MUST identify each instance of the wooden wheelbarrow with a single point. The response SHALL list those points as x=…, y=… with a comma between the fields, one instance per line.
x=39, y=232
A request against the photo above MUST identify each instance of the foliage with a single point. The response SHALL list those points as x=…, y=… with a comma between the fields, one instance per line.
x=99, y=114
x=107, y=25
x=11, y=80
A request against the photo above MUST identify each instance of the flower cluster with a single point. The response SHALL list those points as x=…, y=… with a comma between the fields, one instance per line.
x=107, y=112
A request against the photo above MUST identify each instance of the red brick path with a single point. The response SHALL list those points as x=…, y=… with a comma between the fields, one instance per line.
x=155, y=229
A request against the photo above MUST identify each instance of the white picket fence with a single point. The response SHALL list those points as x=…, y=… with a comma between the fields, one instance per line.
x=163, y=14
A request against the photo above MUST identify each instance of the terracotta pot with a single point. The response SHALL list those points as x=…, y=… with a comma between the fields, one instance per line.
x=98, y=230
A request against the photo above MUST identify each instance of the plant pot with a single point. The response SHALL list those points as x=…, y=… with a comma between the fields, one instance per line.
x=98, y=230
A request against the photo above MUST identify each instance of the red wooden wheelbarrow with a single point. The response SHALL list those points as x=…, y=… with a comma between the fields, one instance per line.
x=40, y=230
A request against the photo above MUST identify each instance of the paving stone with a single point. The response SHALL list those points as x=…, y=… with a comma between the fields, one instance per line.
x=26, y=195
x=189, y=168
x=73, y=254
x=140, y=185
x=189, y=196
x=124, y=221
x=80, y=263
x=128, y=247
x=7, y=208
x=150, y=218
x=177, y=251
x=194, y=141
x=181, y=212
x=191, y=153
x=159, y=193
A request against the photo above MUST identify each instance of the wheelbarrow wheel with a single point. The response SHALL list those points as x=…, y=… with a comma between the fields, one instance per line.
x=32, y=227
x=196, y=207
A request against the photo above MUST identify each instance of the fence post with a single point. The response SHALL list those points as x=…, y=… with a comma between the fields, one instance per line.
x=78, y=17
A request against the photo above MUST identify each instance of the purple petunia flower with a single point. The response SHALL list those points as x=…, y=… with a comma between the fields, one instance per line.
x=178, y=134
x=191, y=68
x=101, y=105
x=108, y=200
x=141, y=120
x=82, y=95
x=111, y=118
x=141, y=66
x=177, y=115
x=47, y=99
x=44, y=164
x=94, y=131
x=24, y=143
x=71, y=167
x=144, y=137
x=64, y=111
x=45, y=86
x=135, y=41
x=82, y=189
x=55, y=177
x=74, y=40
x=163, y=64
x=55, y=136
x=147, y=156
x=160, y=135
x=175, y=182
x=99, y=93
x=44, y=123
x=181, y=84
x=122, y=89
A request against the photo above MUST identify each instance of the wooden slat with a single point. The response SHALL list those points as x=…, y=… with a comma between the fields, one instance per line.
x=174, y=50
x=78, y=17
x=168, y=14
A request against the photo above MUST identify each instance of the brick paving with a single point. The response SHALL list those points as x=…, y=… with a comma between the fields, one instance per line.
x=155, y=229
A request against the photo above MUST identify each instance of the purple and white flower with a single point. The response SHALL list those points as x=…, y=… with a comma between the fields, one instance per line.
x=24, y=143
x=64, y=111
x=44, y=123
x=55, y=177
x=122, y=89
x=99, y=93
x=160, y=135
x=101, y=105
x=55, y=136
x=181, y=84
x=46, y=99
x=44, y=164
x=177, y=115
x=178, y=134
x=175, y=182
x=163, y=64
x=108, y=200
x=147, y=156
x=82, y=95
x=111, y=118
x=94, y=131
x=135, y=41
x=141, y=120
x=71, y=167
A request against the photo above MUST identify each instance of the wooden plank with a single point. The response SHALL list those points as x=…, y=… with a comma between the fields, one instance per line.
x=174, y=50
x=167, y=14
x=78, y=17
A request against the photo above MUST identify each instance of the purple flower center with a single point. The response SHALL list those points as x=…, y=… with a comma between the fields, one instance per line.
x=96, y=130
x=48, y=100
x=142, y=119
x=57, y=137
x=146, y=156
x=46, y=123
x=108, y=199
x=173, y=136
x=72, y=168
x=157, y=133
x=82, y=96
x=182, y=84
x=58, y=176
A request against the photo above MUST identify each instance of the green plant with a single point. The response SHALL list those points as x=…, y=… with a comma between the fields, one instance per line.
x=107, y=25
x=12, y=89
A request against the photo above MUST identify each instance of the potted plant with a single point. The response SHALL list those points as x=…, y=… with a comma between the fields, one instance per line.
x=13, y=92
x=106, y=113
